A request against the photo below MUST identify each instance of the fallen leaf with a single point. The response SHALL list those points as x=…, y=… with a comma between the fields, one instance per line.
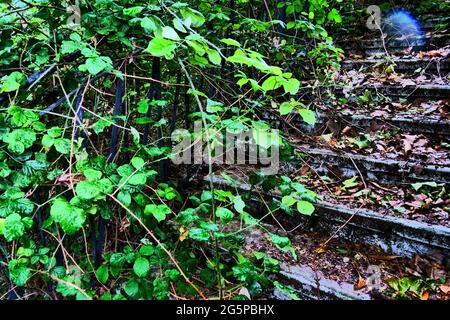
x=361, y=283
x=321, y=249
x=408, y=142
x=444, y=288
x=425, y=295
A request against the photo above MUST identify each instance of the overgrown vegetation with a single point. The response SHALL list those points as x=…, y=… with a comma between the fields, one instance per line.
x=91, y=206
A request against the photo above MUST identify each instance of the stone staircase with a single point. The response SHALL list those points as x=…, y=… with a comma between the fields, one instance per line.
x=389, y=131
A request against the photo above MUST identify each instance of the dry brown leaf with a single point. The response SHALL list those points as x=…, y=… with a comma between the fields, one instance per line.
x=361, y=283
x=321, y=249
x=444, y=288
x=408, y=142
x=425, y=295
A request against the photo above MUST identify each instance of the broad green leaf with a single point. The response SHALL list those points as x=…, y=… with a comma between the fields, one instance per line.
x=288, y=201
x=308, y=116
x=170, y=33
x=305, y=207
x=225, y=215
x=13, y=227
x=88, y=190
x=141, y=267
x=160, y=47
x=231, y=42
x=286, y=108
x=62, y=145
x=69, y=217
x=102, y=274
x=12, y=82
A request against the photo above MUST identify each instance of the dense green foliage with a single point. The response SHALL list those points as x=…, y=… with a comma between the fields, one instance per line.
x=85, y=210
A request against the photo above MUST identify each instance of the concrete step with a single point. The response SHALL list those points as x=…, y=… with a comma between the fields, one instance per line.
x=409, y=92
x=428, y=126
x=399, y=236
x=436, y=66
x=383, y=170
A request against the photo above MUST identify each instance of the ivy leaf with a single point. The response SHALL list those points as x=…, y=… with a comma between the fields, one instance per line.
x=13, y=228
x=305, y=207
x=69, y=217
x=225, y=215
x=160, y=47
x=141, y=267
x=308, y=116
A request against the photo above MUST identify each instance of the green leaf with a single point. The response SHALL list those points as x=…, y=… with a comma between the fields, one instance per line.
x=69, y=217
x=19, y=140
x=170, y=33
x=138, y=179
x=141, y=267
x=308, y=116
x=149, y=24
x=160, y=47
x=419, y=185
x=225, y=215
x=47, y=141
x=18, y=273
x=286, y=108
x=147, y=250
x=239, y=204
x=199, y=234
x=13, y=228
x=62, y=145
x=132, y=287
x=137, y=162
x=88, y=190
x=92, y=174
x=98, y=64
x=159, y=212
x=102, y=274
x=143, y=106
x=305, y=207
x=291, y=86
x=133, y=11
x=334, y=15
x=214, y=57
x=54, y=132
x=231, y=42
x=288, y=201
x=13, y=82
